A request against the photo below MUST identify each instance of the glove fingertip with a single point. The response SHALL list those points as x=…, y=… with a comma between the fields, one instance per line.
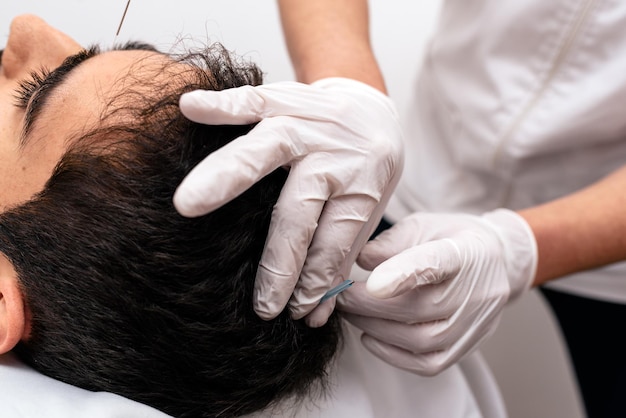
x=382, y=285
x=319, y=316
x=214, y=108
x=378, y=289
x=264, y=314
x=364, y=262
x=235, y=106
x=314, y=322
x=195, y=105
x=373, y=345
x=186, y=201
x=271, y=293
x=266, y=308
x=370, y=256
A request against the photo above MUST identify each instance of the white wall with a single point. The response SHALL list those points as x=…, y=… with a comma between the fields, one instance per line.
x=250, y=28
x=529, y=361
x=526, y=352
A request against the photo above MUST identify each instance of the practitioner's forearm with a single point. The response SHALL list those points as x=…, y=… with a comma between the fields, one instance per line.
x=580, y=231
x=330, y=38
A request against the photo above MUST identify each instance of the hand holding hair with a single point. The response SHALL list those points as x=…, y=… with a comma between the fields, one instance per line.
x=342, y=143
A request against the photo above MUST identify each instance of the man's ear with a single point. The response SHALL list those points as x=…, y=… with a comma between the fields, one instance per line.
x=13, y=324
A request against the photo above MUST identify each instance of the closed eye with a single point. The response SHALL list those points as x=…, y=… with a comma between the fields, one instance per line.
x=28, y=86
x=33, y=92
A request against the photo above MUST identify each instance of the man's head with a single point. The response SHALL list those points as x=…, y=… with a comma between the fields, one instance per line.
x=103, y=284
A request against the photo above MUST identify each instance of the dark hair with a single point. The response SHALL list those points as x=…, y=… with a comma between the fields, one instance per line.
x=129, y=297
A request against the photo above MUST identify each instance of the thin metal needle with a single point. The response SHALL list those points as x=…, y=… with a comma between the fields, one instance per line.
x=122, y=21
x=337, y=289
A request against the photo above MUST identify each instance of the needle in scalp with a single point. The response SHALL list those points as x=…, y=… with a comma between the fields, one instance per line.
x=122, y=21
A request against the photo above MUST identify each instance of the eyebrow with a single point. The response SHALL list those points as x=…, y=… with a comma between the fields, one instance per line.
x=56, y=77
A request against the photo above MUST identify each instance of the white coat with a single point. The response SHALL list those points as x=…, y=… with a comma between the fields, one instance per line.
x=519, y=103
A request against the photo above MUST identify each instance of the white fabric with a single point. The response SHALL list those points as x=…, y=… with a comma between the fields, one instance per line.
x=519, y=103
x=362, y=386
x=366, y=387
x=25, y=393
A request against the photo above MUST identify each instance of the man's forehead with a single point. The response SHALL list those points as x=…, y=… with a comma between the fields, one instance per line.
x=80, y=103
x=107, y=74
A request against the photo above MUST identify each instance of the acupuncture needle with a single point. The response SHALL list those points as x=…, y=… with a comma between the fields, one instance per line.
x=122, y=21
x=337, y=290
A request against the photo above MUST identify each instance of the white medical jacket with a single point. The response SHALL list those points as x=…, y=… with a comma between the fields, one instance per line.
x=519, y=103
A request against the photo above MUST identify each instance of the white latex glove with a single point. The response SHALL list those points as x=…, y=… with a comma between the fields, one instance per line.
x=342, y=141
x=438, y=286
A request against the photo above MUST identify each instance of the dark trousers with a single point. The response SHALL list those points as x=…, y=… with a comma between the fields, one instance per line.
x=594, y=334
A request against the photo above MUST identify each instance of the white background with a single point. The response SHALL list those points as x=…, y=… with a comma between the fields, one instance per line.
x=526, y=353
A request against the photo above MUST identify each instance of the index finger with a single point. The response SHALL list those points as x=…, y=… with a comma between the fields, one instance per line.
x=248, y=104
x=234, y=168
x=410, y=308
x=429, y=263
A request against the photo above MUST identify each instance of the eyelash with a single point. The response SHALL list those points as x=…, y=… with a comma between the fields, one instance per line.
x=28, y=86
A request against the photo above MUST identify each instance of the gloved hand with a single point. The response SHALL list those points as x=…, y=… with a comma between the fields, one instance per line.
x=438, y=286
x=342, y=142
